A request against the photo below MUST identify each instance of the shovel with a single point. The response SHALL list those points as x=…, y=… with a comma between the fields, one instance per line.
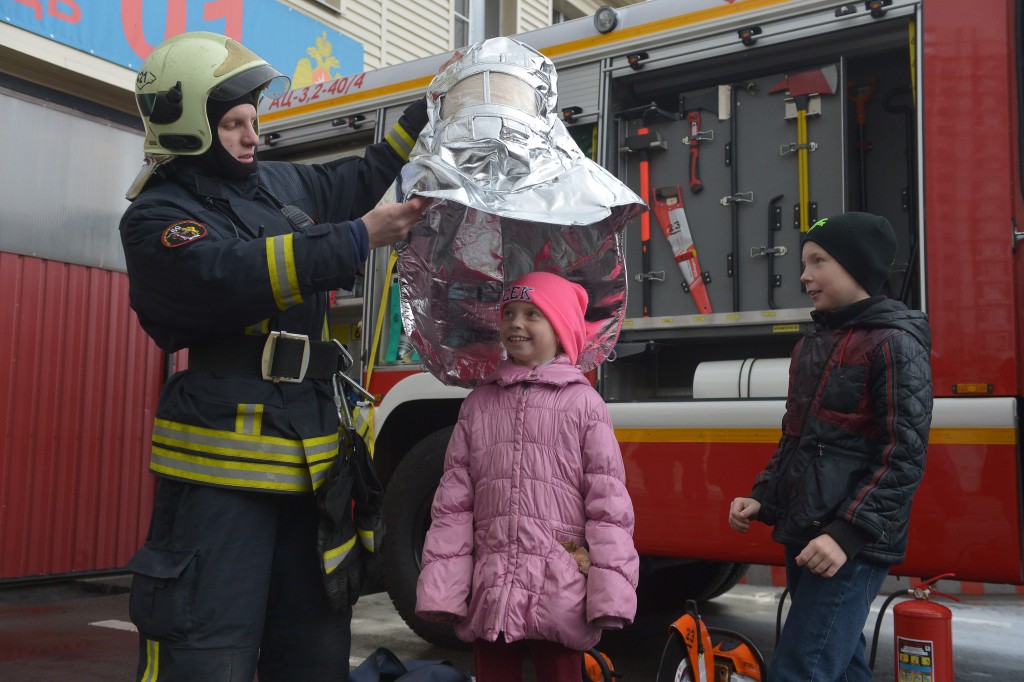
x=800, y=87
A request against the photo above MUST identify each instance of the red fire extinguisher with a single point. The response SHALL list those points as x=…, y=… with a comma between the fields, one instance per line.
x=923, y=635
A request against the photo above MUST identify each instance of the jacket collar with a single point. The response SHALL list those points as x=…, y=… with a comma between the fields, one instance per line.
x=558, y=372
x=834, y=319
x=204, y=184
x=877, y=312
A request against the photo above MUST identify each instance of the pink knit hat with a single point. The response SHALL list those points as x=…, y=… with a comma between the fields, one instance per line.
x=562, y=302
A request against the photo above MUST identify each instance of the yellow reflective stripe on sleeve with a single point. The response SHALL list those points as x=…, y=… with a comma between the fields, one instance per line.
x=400, y=141
x=334, y=557
x=281, y=263
x=152, y=661
x=366, y=539
x=241, y=460
x=249, y=419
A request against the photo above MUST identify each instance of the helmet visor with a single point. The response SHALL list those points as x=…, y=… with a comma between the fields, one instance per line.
x=264, y=78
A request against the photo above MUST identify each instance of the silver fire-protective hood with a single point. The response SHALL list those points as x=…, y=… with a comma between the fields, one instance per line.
x=512, y=194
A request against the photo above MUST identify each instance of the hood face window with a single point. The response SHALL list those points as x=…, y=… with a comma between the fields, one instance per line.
x=491, y=87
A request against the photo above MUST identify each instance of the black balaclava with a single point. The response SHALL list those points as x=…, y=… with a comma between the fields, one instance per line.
x=216, y=159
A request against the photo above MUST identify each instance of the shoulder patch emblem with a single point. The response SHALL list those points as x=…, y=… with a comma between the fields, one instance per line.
x=182, y=232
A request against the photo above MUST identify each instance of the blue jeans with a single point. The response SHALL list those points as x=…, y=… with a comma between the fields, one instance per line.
x=823, y=638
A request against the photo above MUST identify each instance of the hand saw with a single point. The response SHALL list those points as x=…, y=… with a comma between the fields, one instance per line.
x=668, y=208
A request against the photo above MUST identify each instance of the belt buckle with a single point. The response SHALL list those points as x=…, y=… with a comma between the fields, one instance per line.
x=270, y=347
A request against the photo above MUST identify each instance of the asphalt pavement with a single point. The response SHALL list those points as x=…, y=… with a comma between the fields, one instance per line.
x=79, y=631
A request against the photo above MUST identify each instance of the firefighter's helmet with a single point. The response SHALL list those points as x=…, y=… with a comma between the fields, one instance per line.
x=174, y=83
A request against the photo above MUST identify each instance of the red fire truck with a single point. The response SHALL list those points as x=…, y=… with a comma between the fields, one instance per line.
x=757, y=116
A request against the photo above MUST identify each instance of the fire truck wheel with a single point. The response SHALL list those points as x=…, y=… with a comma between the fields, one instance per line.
x=700, y=581
x=407, y=501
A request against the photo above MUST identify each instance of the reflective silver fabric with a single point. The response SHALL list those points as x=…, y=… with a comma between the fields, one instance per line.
x=512, y=194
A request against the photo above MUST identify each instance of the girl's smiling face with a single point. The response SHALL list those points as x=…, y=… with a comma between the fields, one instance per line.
x=527, y=335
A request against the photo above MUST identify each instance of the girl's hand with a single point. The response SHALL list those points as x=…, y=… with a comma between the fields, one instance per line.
x=456, y=56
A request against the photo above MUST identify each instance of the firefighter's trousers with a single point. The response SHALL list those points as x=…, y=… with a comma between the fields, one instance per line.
x=229, y=582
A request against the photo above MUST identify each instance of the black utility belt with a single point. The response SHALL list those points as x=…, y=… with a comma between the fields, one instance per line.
x=278, y=357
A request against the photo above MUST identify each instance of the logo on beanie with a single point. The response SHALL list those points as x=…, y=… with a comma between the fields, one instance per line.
x=818, y=224
x=517, y=293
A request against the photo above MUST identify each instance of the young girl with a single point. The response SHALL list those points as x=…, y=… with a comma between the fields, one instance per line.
x=531, y=548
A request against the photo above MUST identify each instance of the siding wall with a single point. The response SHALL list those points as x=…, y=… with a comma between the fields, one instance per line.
x=363, y=20
x=397, y=31
x=533, y=14
x=416, y=29
x=80, y=379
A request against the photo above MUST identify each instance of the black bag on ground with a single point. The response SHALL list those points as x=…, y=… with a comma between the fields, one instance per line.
x=383, y=666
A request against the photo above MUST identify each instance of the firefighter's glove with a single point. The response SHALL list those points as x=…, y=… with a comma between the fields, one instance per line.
x=351, y=525
x=368, y=498
x=343, y=582
x=337, y=543
x=371, y=533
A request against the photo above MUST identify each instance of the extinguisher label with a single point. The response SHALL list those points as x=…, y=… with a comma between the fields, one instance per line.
x=915, y=662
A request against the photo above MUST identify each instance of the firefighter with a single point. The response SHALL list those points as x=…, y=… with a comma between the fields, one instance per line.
x=231, y=259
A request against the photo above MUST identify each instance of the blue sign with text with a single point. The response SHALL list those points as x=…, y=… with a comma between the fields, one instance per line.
x=126, y=31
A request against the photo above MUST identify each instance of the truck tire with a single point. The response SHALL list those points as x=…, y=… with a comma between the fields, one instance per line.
x=407, y=501
x=672, y=586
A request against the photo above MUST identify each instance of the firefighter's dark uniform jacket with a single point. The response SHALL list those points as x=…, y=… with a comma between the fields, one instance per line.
x=855, y=431
x=213, y=263
x=210, y=260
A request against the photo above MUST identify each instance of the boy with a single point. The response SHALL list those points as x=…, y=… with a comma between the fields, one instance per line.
x=839, y=486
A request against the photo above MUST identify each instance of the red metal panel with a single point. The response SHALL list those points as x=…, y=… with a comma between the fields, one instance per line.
x=970, y=156
x=76, y=402
x=965, y=517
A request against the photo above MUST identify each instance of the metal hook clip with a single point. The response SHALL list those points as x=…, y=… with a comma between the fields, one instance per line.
x=700, y=135
x=794, y=147
x=340, y=403
x=658, y=276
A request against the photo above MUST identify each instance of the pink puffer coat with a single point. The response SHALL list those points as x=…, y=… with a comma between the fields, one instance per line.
x=533, y=462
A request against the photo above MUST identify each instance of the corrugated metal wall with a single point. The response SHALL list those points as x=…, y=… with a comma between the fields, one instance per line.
x=63, y=180
x=79, y=382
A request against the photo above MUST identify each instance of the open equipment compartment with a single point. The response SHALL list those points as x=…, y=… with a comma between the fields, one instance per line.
x=742, y=205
